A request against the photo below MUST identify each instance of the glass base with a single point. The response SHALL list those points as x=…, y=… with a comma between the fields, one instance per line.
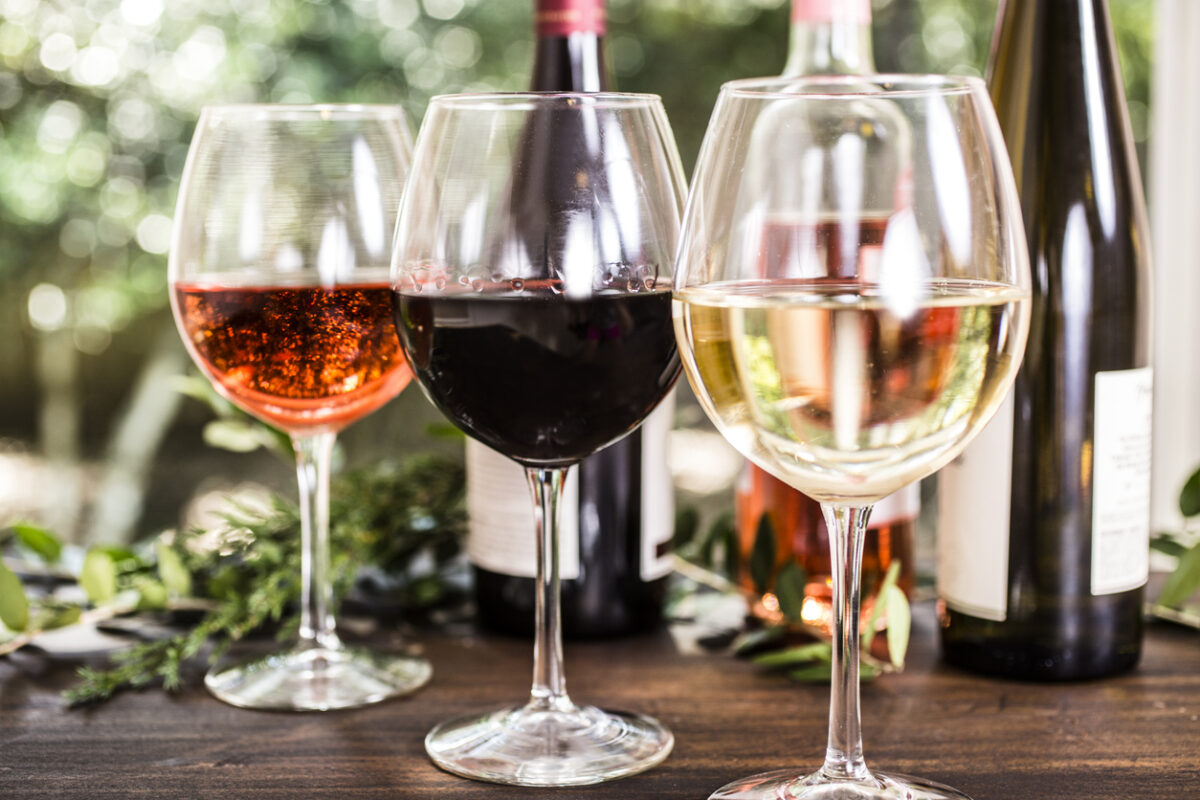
x=787, y=785
x=526, y=746
x=318, y=679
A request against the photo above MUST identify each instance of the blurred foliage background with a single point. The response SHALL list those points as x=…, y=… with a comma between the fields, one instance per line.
x=98, y=99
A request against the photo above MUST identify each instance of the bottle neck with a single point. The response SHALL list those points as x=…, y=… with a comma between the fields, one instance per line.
x=569, y=55
x=830, y=37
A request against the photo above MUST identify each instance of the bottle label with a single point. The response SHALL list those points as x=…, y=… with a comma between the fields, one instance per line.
x=1121, y=480
x=901, y=506
x=974, y=492
x=825, y=11
x=564, y=17
x=502, y=534
x=658, y=492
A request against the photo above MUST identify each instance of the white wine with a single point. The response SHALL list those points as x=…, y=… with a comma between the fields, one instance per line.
x=844, y=390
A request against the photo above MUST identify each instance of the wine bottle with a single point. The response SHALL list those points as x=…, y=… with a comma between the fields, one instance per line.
x=828, y=37
x=1044, y=522
x=617, y=513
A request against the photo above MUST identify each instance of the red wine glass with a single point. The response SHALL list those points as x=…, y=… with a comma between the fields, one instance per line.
x=533, y=270
x=852, y=302
x=279, y=284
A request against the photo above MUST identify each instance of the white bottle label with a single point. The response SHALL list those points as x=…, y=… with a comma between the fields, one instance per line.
x=902, y=505
x=974, y=492
x=1121, y=480
x=502, y=533
x=658, y=492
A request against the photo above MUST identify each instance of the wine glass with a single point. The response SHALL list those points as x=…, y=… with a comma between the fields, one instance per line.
x=279, y=284
x=533, y=272
x=851, y=302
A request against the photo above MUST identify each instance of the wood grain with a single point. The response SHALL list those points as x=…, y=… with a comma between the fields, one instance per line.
x=1134, y=736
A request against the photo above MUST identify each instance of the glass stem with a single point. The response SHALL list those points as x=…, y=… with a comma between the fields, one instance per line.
x=844, y=753
x=549, y=691
x=313, y=456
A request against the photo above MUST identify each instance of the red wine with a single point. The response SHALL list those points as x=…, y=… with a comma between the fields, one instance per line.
x=617, y=517
x=298, y=357
x=1044, y=526
x=541, y=377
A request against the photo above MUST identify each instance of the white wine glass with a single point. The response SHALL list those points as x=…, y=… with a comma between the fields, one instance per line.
x=851, y=302
x=279, y=284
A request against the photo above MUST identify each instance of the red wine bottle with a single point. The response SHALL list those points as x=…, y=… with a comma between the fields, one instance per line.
x=828, y=37
x=1044, y=522
x=617, y=510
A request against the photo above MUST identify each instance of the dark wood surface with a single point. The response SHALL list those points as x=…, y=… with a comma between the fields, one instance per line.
x=1134, y=736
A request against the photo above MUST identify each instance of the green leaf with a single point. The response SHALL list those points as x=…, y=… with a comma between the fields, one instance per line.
x=14, y=607
x=752, y=640
x=789, y=590
x=39, y=540
x=99, y=576
x=58, y=617
x=236, y=436
x=444, y=431
x=122, y=557
x=817, y=673
x=175, y=577
x=762, y=555
x=687, y=524
x=899, y=623
x=152, y=595
x=720, y=531
x=1184, y=581
x=1189, y=496
x=817, y=651
x=1168, y=544
x=881, y=599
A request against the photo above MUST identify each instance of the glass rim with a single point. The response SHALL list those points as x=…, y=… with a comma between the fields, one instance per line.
x=887, y=84
x=304, y=111
x=523, y=101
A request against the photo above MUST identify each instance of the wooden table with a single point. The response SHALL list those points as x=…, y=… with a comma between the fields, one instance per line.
x=1135, y=736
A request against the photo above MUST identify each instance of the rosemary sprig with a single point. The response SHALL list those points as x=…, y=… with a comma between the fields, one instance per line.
x=405, y=520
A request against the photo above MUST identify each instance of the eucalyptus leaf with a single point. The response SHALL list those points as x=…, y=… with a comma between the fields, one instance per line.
x=1189, y=496
x=52, y=618
x=762, y=555
x=732, y=550
x=1184, y=581
x=445, y=431
x=718, y=535
x=752, y=640
x=881, y=601
x=820, y=672
x=1169, y=545
x=174, y=575
x=152, y=594
x=14, y=607
x=899, y=623
x=236, y=436
x=39, y=540
x=789, y=590
x=687, y=526
x=816, y=651
x=99, y=576
x=124, y=558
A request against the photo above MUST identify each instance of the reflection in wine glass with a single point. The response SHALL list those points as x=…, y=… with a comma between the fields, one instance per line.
x=532, y=270
x=279, y=284
x=851, y=303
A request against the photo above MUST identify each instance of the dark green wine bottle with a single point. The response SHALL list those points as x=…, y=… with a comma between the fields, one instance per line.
x=1044, y=522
